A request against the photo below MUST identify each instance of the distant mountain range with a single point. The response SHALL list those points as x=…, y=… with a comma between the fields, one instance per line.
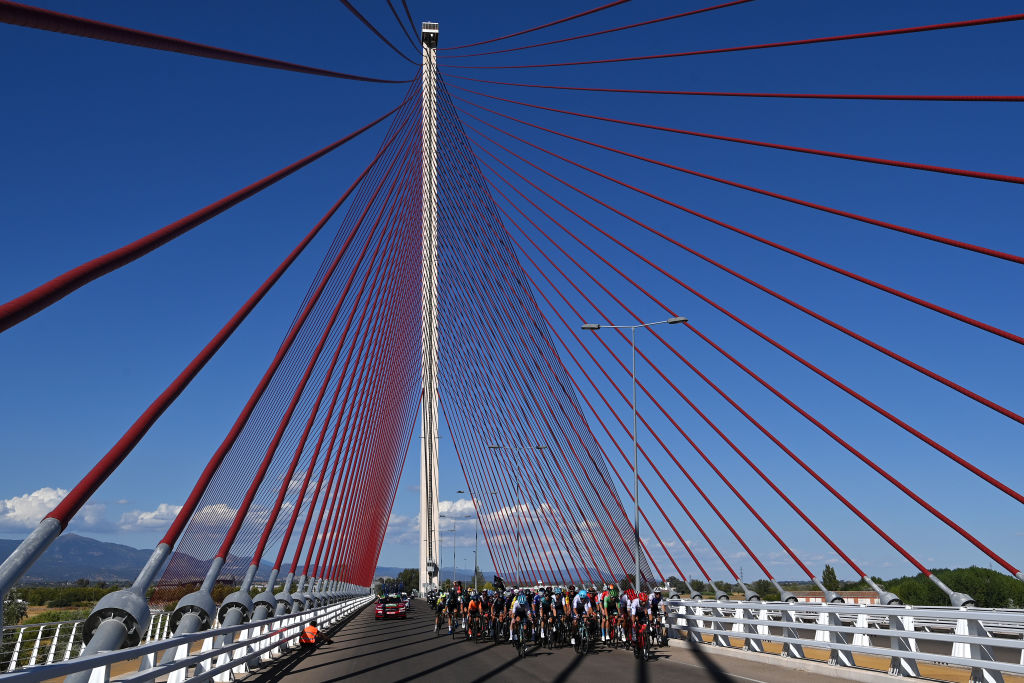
x=73, y=557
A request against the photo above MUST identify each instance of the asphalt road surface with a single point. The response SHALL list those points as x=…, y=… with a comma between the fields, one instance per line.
x=407, y=650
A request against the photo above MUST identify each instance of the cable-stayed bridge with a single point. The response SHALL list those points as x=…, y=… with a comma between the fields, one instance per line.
x=676, y=291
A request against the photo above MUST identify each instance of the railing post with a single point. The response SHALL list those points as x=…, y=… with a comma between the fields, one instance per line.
x=35, y=648
x=691, y=614
x=973, y=627
x=17, y=650
x=71, y=640
x=101, y=674
x=751, y=642
x=53, y=644
x=177, y=652
x=863, y=639
x=204, y=665
x=794, y=650
x=901, y=666
x=838, y=657
x=717, y=625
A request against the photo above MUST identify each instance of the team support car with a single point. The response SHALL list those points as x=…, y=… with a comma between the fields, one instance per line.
x=391, y=607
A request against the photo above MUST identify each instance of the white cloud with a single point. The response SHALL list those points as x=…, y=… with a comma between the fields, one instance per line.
x=25, y=512
x=403, y=530
x=215, y=515
x=462, y=506
x=159, y=518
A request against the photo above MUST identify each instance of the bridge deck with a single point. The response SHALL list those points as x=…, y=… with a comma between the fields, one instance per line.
x=377, y=651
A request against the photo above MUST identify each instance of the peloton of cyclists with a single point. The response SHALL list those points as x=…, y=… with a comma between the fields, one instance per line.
x=487, y=612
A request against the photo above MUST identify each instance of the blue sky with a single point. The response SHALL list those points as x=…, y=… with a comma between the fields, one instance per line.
x=108, y=142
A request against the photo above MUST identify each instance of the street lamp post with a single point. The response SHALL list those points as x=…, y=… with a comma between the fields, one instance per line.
x=519, y=503
x=453, y=553
x=453, y=538
x=636, y=479
x=476, y=542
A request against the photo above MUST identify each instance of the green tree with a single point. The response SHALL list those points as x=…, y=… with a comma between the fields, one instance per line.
x=410, y=578
x=677, y=585
x=15, y=608
x=704, y=589
x=828, y=578
x=766, y=589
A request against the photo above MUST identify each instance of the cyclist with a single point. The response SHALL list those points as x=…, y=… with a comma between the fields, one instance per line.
x=472, y=612
x=463, y=603
x=640, y=612
x=520, y=611
x=486, y=598
x=656, y=610
x=547, y=610
x=558, y=608
x=439, y=604
x=610, y=610
x=580, y=606
x=497, y=611
x=452, y=607
x=536, y=598
x=627, y=621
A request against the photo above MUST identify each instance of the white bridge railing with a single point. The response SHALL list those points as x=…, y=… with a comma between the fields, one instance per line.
x=988, y=642
x=57, y=641
x=223, y=653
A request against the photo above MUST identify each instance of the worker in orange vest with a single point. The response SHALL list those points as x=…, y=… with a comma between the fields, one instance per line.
x=310, y=636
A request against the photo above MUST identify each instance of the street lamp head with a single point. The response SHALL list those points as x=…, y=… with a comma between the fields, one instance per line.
x=678, y=319
x=591, y=326
x=541, y=446
x=495, y=446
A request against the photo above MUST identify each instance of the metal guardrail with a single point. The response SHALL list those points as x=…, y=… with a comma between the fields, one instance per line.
x=903, y=634
x=220, y=657
x=57, y=641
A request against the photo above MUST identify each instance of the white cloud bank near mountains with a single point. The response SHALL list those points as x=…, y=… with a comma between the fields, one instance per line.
x=23, y=513
x=140, y=520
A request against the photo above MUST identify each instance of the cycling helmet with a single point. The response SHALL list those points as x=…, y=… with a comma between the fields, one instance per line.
x=657, y=591
x=582, y=593
x=642, y=597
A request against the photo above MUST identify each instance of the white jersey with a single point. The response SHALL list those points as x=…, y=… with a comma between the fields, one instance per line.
x=634, y=606
x=579, y=601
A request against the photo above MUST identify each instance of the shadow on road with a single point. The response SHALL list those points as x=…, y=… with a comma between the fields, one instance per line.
x=708, y=663
x=426, y=672
x=567, y=671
